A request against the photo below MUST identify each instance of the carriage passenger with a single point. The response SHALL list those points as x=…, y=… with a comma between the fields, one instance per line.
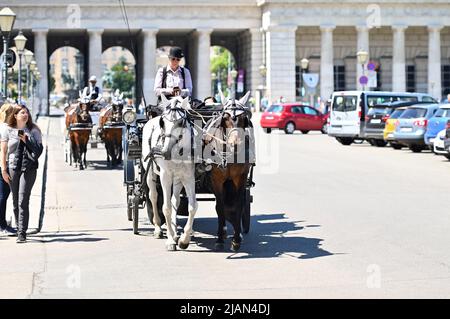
x=93, y=91
x=173, y=79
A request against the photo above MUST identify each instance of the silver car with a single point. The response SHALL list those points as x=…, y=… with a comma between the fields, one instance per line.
x=412, y=125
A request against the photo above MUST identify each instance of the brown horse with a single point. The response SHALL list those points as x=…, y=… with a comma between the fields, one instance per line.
x=110, y=122
x=229, y=175
x=79, y=123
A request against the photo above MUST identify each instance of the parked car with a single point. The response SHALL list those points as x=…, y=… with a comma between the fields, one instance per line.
x=436, y=124
x=447, y=140
x=293, y=116
x=376, y=118
x=438, y=144
x=389, y=129
x=349, y=108
x=412, y=125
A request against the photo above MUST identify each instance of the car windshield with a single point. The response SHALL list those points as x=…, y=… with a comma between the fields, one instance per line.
x=413, y=113
x=396, y=114
x=275, y=109
x=379, y=111
x=442, y=113
x=344, y=103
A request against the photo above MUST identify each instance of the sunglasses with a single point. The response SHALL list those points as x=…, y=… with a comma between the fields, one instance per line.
x=175, y=59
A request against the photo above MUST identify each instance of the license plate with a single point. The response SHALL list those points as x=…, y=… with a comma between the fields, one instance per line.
x=375, y=121
x=269, y=117
x=431, y=140
x=406, y=129
x=391, y=135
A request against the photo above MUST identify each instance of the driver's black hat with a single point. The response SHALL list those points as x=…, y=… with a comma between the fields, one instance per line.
x=176, y=52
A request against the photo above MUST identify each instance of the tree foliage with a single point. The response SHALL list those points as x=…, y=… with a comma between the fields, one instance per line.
x=121, y=77
x=221, y=60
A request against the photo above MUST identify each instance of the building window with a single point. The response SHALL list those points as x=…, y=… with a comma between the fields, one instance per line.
x=445, y=80
x=410, y=78
x=339, y=78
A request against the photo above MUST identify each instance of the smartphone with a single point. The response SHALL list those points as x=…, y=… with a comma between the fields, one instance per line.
x=20, y=133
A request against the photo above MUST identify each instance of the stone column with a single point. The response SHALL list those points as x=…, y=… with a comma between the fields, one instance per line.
x=280, y=59
x=326, y=62
x=203, y=63
x=434, y=61
x=149, y=63
x=398, y=59
x=95, y=54
x=40, y=54
x=256, y=54
x=362, y=44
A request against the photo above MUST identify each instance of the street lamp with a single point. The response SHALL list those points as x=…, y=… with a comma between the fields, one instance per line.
x=362, y=59
x=20, y=42
x=28, y=59
x=7, y=18
x=233, y=74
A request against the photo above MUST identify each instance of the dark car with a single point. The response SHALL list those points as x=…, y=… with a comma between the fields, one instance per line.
x=447, y=140
x=376, y=120
x=293, y=116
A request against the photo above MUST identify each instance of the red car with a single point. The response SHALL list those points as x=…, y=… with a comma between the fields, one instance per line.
x=293, y=116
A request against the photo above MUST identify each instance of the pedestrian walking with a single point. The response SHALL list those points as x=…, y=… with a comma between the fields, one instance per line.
x=21, y=146
x=4, y=186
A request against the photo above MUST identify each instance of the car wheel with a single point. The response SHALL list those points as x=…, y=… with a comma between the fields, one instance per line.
x=305, y=132
x=371, y=142
x=396, y=146
x=380, y=143
x=416, y=148
x=289, y=128
x=345, y=140
x=447, y=156
x=324, y=129
x=268, y=130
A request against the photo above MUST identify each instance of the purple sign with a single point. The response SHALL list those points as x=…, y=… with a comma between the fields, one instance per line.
x=363, y=80
x=371, y=66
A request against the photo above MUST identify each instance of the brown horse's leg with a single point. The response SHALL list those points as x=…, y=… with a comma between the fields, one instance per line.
x=218, y=189
x=239, y=184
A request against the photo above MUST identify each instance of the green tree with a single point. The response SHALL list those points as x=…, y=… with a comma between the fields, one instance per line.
x=220, y=60
x=121, y=77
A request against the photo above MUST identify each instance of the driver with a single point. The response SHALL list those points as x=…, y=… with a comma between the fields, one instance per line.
x=173, y=79
x=93, y=91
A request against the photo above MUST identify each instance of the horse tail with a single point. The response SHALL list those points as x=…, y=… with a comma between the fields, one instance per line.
x=228, y=193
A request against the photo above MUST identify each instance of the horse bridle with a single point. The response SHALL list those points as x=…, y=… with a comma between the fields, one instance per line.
x=184, y=120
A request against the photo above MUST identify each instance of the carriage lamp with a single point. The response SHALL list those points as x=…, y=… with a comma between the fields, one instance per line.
x=129, y=116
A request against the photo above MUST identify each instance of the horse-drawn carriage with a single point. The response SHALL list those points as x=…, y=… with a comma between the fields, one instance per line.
x=135, y=171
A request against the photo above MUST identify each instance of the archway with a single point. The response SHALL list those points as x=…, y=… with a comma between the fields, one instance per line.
x=66, y=75
x=119, y=72
x=223, y=65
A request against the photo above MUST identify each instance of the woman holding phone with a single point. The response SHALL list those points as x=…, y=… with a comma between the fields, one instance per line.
x=4, y=186
x=21, y=146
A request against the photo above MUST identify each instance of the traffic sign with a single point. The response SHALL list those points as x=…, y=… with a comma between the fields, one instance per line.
x=363, y=80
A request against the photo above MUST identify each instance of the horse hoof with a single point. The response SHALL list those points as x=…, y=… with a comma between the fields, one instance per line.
x=183, y=245
x=235, y=246
x=177, y=239
x=219, y=247
x=172, y=247
x=158, y=235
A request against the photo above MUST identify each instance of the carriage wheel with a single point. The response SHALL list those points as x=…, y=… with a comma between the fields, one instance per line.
x=70, y=153
x=129, y=206
x=246, y=212
x=135, y=215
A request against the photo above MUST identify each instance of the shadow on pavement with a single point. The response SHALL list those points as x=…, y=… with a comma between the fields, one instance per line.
x=102, y=165
x=270, y=236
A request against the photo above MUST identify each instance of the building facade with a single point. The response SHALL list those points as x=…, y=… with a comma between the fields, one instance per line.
x=407, y=41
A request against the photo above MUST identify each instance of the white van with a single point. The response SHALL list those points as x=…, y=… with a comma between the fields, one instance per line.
x=349, y=108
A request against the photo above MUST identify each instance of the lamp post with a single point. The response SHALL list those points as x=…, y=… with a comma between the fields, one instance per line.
x=362, y=59
x=213, y=81
x=233, y=74
x=7, y=18
x=28, y=59
x=20, y=42
x=304, y=63
x=32, y=69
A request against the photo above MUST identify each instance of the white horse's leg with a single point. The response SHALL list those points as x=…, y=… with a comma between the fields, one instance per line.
x=189, y=186
x=177, y=187
x=166, y=183
x=153, y=196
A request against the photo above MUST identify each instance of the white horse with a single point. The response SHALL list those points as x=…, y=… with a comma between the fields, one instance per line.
x=171, y=134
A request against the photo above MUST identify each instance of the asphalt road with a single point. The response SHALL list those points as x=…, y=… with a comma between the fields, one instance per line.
x=328, y=221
